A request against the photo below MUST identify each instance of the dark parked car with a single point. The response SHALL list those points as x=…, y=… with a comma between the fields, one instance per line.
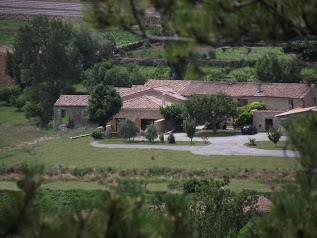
x=248, y=130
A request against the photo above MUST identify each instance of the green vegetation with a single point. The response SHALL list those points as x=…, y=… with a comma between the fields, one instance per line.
x=156, y=142
x=7, y=37
x=81, y=154
x=267, y=145
x=12, y=24
x=9, y=114
x=220, y=133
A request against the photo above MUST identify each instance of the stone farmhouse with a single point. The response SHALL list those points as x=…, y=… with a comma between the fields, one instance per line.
x=142, y=103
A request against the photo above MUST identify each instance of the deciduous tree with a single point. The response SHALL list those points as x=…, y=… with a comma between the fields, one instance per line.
x=128, y=129
x=214, y=108
x=104, y=103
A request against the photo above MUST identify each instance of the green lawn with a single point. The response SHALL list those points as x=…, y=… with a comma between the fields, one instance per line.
x=57, y=185
x=7, y=38
x=238, y=185
x=9, y=114
x=80, y=153
x=268, y=145
x=220, y=133
x=11, y=24
x=145, y=142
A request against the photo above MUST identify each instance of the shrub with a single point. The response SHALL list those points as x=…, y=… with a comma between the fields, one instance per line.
x=212, y=54
x=191, y=185
x=161, y=137
x=97, y=135
x=108, y=133
x=147, y=43
x=171, y=139
x=189, y=126
x=151, y=133
x=252, y=140
x=274, y=134
x=174, y=113
x=128, y=129
x=8, y=94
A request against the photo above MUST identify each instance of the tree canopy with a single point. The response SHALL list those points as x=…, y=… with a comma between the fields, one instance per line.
x=48, y=58
x=213, y=108
x=104, y=103
x=174, y=113
x=107, y=73
x=244, y=115
x=270, y=69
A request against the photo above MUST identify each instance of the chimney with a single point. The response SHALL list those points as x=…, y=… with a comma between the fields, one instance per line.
x=163, y=99
x=258, y=88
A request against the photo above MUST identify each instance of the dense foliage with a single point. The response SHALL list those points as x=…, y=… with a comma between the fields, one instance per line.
x=107, y=73
x=270, y=69
x=214, y=108
x=175, y=114
x=274, y=135
x=128, y=129
x=47, y=59
x=104, y=103
x=151, y=133
x=245, y=116
x=189, y=126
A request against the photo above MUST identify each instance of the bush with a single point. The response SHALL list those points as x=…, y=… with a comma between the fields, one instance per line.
x=151, y=133
x=97, y=135
x=161, y=137
x=252, y=140
x=191, y=185
x=128, y=129
x=108, y=133
x=212, y=54
x=274, y=134
x=174, y=113
x=171, y=139
x=147, y=43
x=9, y=94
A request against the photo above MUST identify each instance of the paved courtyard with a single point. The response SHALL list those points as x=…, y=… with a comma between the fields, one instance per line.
x=230, y=145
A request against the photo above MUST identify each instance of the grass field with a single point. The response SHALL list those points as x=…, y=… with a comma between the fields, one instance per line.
x=268, y=145
x=220, y=133
x=7, y=38
x=9, y=114
x=80, y=153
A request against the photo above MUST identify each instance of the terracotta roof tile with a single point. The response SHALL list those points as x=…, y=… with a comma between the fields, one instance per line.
x=72, y=100
x=298, y=110
x=235, y=89
x=144, y=102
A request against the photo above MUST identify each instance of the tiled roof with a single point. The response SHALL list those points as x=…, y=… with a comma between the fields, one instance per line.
x=298, y=110
x=234, y=89
x=144, y=102
x=276, y=111
x=72, y=100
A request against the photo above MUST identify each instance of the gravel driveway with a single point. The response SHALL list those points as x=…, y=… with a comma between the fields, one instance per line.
x=231, y=145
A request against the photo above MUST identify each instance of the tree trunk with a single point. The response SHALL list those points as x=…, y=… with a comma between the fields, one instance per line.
x=214, y=128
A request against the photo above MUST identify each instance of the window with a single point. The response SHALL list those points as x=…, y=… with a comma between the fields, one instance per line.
x=290, y=104
x=242, y=102
x=268, y=124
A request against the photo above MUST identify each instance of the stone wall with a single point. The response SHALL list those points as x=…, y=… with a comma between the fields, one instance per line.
x=76, y=115
x=274, y=103
x=259, y=118
x=311, y=98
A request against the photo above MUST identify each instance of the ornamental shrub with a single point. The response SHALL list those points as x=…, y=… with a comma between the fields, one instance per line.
x=151, y=133
x=171, y=139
